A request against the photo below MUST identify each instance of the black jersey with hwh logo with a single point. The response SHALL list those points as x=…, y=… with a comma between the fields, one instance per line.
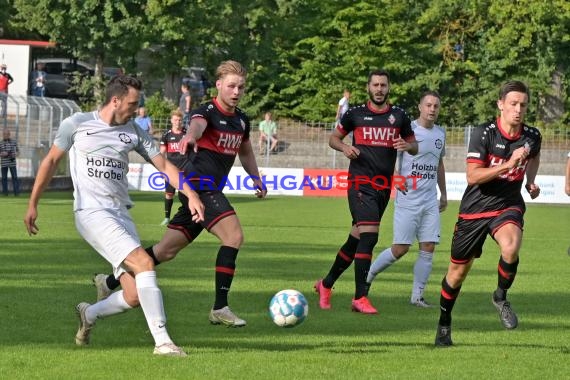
x=490, y=146
x=219, y=144
x=171, y=141
x=373, y=133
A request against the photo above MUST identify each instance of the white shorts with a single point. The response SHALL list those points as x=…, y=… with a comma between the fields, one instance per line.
x=111, y=233
x=421, y=222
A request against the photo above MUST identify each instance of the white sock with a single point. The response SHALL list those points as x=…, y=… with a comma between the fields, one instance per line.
x=114, y=304
x=150, y=298
x=422, y=270
x=383, y=261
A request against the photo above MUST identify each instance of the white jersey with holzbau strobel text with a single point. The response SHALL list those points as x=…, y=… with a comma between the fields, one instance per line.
x=99, y=158
x=423, y=167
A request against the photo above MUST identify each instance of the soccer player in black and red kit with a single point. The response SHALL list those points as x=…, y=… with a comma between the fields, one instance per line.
x=170, y=147
x=500, y=153
x=379, y=131
x=218, y=132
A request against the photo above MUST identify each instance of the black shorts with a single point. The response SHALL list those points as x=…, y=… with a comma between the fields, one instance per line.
x=470, y=234
x=367, y=205
x=216, y=207
x=170, y=189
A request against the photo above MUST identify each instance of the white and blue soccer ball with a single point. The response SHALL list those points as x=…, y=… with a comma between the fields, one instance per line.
x=288, y=308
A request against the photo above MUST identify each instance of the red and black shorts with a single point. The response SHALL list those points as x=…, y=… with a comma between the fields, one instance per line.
x=367, y=205
x=216, y=208
x=470, y=234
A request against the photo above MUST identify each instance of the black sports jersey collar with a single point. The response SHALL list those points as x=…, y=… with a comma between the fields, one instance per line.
x=219, y=107
x=388, y=108
x=506, y=135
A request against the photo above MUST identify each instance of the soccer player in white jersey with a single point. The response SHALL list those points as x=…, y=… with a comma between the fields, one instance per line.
x=416, y=211
x=98, y=143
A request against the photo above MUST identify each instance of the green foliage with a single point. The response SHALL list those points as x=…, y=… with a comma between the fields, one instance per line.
x=159, y=107
x=300, y=54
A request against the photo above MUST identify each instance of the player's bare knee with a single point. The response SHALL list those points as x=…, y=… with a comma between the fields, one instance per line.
x=399, y=250
x=131, y=298
x=236, y=240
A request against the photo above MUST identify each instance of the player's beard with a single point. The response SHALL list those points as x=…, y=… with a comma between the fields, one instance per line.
x=377, y=103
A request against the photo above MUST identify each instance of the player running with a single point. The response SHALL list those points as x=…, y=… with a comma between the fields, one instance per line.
x=416, y=212
x=379, y=131
x=99, y=143
x=500, y=153
x=218, y=132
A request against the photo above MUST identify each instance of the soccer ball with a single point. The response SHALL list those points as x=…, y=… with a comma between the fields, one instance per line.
x=288, y=308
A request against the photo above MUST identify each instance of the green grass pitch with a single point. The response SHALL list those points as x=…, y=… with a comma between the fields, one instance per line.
x=289, y=243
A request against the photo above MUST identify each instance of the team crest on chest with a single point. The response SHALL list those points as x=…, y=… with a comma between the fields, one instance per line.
x=391, y=119
x=438, y=143
x=125, y=138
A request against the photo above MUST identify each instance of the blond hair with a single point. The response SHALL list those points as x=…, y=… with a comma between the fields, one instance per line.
x=230, y=67
x=176, y=113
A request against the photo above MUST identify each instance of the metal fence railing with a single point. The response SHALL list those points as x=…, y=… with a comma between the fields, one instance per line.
x=305, y=145
x=33, y=122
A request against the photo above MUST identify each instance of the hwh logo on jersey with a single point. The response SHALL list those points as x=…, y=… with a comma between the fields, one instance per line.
x=229, y=140
x=515, y=174
x=383, y=136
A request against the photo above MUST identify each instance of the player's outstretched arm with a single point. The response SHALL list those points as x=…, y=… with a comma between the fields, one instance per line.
x=195, y=130
x=45, y=174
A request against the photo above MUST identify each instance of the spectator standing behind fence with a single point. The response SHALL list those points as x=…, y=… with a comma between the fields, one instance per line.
x=5, y=80
x=268, y=134
x=185, y=104
x=144, y=121
x=8, y=152
x=38, y=80
x=343, y=105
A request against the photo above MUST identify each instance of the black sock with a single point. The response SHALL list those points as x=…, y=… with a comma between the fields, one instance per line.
x=506, y=277
x=446, y=302
x=150, y=252
x=225, y=269
x=112, y=282
x=168, y=207
x=343, y=259
x=362, y=260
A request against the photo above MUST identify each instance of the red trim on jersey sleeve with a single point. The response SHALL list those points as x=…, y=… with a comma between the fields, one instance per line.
x=341, y=129
x=411, y=137
x=475, y=161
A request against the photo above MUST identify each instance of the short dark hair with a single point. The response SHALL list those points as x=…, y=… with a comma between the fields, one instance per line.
x=513, y=85
x=429, y=93
x=119, y=86
x=382, y=73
